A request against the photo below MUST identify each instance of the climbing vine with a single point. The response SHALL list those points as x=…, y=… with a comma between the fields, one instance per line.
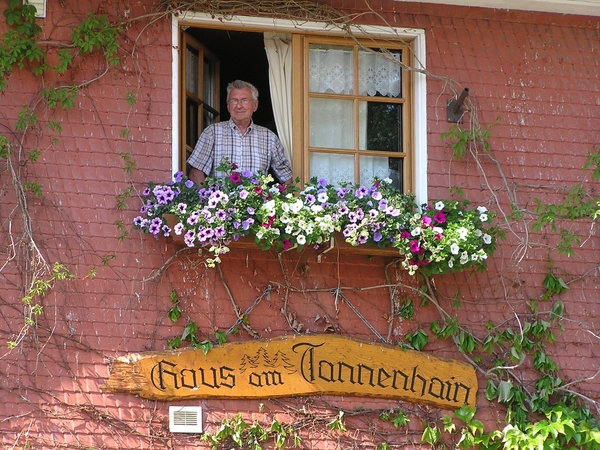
x=541, y=410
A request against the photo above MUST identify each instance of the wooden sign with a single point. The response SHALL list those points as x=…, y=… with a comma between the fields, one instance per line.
x=296, y=366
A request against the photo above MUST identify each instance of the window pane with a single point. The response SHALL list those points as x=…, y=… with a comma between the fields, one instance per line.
x=209, y=82
x=331, y=123
x=379, y=74
x=380, y=126
x=191, y=70
x=335, y=168
x=331, y=69
x=191, y=122
x=209, y=118
x=381, y=167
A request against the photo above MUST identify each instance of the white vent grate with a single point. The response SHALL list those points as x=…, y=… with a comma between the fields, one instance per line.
x=185, y=419
x=40, y=6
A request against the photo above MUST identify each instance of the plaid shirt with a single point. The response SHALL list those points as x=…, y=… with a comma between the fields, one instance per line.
x=258, y=149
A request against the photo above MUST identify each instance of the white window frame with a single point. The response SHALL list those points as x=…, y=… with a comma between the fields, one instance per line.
x=287, y=26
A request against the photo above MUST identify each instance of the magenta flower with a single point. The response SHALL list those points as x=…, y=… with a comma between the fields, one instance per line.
x=427, y=220
x=440, y=217
x=286, y=244
x=235, y=177
x=414, y=246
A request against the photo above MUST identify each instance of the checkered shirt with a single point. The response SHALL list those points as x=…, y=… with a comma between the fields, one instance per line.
x=258, y=149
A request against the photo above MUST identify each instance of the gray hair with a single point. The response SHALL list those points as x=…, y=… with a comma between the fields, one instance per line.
x=239, y=84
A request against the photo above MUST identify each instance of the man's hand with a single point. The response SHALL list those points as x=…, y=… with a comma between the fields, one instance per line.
x=197, y=176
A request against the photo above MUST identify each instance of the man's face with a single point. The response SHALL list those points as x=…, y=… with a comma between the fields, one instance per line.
x=244, y=108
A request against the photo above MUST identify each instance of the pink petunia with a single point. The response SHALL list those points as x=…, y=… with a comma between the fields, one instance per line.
x=440, y=217
x=235, y=177
x=414, y=246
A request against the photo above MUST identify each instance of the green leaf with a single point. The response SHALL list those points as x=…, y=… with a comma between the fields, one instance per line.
x=206, y=346
x=174, y=314
x=221, y=337
x=505, y=392
x=431, y=435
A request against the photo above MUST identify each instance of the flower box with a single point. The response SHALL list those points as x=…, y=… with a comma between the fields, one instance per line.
x=243, y=208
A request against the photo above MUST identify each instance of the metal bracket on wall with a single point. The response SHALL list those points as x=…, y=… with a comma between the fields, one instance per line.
x=454, y=107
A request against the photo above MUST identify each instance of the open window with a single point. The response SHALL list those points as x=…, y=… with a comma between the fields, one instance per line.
x=354, y=111
x=201, y=85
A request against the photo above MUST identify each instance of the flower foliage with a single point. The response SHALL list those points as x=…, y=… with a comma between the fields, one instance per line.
x=433, y=239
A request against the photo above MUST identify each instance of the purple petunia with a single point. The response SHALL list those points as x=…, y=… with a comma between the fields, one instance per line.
x=361, y=192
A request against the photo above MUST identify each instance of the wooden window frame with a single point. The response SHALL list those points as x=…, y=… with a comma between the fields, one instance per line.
x=301, y=96
x=203, y=52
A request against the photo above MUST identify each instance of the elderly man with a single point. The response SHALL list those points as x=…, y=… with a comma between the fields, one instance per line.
x=249, y=146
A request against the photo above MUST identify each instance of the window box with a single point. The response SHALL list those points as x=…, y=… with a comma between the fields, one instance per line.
x=368, y=220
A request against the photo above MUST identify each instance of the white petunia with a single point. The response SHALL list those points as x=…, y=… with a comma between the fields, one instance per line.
x=463, y=233
x=483, y=217
x=416, y=232
x=482, y=209
x=301, y=239
x=464, y=257
x=296, y=206
x=289, y=229
x=487, y=239
x=451, y=262
x=439, y=206
x=270, y=207
x=387, y=180
x=316, y=208
x=454, y=249
x=322, y=197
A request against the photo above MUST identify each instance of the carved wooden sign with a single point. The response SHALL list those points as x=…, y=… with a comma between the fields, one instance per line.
x=296, y=366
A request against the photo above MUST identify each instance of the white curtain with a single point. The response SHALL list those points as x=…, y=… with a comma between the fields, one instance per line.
x=378, y=74
x=279, y=54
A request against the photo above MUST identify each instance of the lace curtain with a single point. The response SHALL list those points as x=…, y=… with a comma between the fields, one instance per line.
x=331, y=71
